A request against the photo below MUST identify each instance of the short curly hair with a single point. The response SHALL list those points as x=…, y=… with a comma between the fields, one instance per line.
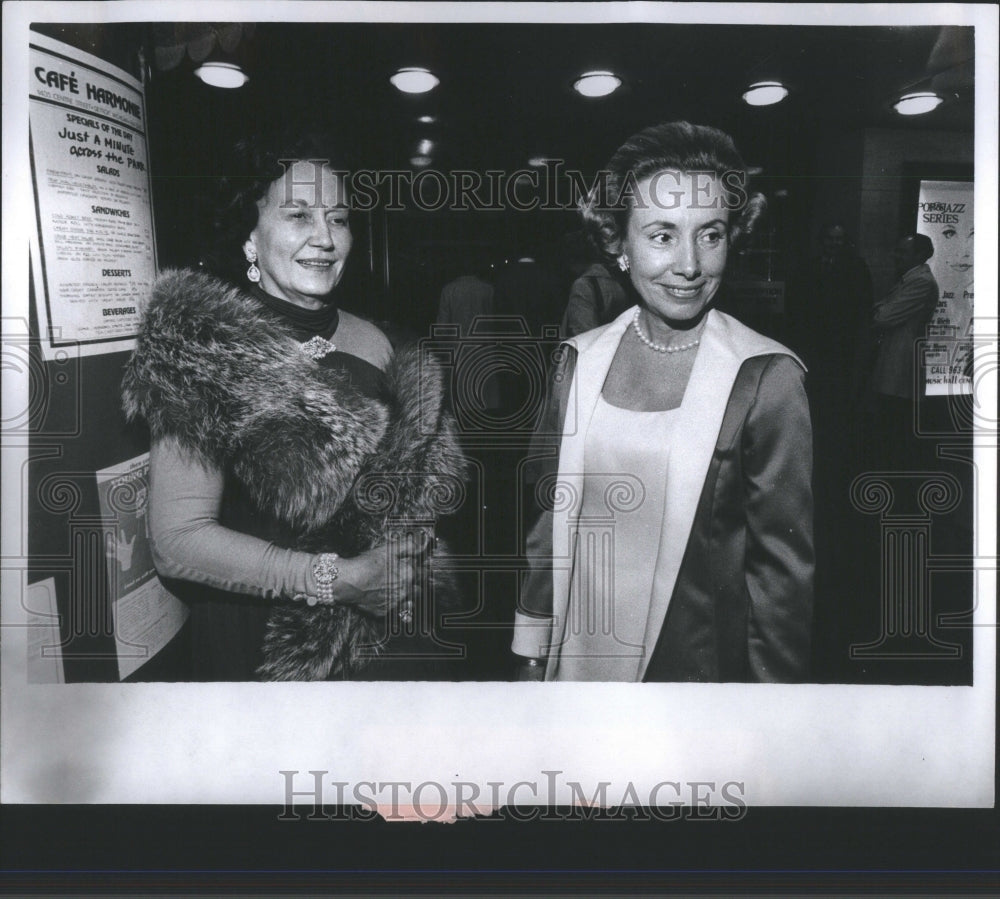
x=678, y=146
x=253, y=165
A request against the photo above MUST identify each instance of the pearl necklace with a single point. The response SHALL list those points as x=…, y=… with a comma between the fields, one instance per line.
x=659, y=347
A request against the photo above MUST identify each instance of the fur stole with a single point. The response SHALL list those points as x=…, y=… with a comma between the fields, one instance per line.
x=223, y=376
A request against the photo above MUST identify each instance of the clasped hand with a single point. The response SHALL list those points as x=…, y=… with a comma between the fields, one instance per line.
x=378, y=580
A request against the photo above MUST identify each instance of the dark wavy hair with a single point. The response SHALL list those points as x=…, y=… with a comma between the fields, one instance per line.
x=679, y=146
x=253, y=165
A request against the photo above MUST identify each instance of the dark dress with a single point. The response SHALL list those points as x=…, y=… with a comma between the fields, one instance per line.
x=227, y=629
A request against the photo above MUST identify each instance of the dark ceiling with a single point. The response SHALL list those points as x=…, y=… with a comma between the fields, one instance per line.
x=506, y=90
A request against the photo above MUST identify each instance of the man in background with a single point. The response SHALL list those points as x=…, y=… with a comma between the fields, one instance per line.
x=899, y=320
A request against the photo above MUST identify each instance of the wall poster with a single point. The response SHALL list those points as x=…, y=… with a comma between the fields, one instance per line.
x=944, y=214
x=93, y=249
x=146, y=614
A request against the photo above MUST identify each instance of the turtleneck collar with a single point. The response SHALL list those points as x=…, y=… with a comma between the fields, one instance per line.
x=305, y=322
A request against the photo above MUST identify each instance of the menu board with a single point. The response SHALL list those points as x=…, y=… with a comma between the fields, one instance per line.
x=94, y=249
x=944, y=214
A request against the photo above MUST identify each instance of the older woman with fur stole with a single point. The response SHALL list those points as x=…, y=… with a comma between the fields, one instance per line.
x=297, y=465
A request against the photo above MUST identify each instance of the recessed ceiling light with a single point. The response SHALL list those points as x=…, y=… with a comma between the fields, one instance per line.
x=917, y=103
x=222, y=74
x=765, y=93
x=424, y=147
x=537, y=162
x=597, y=84
x=427, y=119
x=420, y=162
x=413, y=80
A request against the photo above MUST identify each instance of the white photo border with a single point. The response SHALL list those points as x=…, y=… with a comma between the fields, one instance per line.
x=802, y=745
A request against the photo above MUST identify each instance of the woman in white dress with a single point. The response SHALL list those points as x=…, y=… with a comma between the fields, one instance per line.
x=674, y=538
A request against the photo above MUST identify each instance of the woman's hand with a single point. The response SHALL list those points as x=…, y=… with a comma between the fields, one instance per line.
x=531, y=669
x=378, y=580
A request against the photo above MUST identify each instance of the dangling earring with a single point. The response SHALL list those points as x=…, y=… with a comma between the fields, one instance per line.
x=253, y=273
x=623, y=262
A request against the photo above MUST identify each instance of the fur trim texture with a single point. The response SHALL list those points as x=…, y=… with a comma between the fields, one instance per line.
x=229, y=382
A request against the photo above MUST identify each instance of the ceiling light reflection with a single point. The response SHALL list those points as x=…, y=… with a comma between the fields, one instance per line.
x=414, y=80
x=917, y=103
x=597, y=84
x=765, y=93
x=222, y=74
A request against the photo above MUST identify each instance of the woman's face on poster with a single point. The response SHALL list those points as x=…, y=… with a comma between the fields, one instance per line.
x=956, y=247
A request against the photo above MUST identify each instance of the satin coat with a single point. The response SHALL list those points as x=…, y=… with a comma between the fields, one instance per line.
x=735, y=554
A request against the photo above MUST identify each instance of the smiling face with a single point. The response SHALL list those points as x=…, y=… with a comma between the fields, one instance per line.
x=302, y=237
x=676, y=241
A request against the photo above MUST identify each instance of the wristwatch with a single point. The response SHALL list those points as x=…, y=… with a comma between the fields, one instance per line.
x=325, y=572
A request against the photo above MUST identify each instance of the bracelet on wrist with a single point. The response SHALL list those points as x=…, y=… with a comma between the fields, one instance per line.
x=325, y=572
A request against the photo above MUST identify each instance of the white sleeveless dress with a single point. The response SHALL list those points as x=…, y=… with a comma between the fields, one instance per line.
x=616, y=543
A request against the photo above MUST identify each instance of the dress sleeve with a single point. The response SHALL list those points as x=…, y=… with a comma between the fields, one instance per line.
x=777, y=471
x=188, y=542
